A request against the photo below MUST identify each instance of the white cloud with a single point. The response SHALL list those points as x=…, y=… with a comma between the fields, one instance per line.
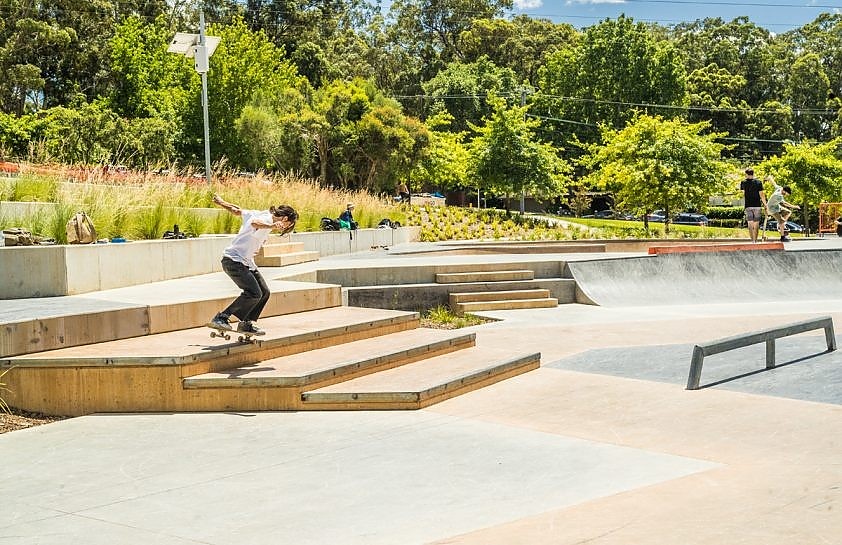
x=528, y=4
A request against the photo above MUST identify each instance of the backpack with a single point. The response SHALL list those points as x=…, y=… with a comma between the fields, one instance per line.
x=80, y=229
x=16, y=236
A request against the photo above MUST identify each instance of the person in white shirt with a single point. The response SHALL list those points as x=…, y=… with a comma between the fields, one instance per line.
x=779, y=209
x=238, y=263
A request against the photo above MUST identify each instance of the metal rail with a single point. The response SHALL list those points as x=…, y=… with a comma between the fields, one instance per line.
x=766, y=335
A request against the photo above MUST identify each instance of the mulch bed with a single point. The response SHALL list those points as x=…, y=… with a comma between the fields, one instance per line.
x=18, y=420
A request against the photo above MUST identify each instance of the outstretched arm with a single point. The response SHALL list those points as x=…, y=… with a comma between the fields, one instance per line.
x=233, y=208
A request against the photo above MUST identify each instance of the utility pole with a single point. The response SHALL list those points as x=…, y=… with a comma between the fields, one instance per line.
x=522, y=187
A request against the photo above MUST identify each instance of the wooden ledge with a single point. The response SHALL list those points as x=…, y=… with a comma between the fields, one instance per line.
x=739, y=247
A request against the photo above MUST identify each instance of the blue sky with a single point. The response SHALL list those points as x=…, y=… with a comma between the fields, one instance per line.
x=777, y=16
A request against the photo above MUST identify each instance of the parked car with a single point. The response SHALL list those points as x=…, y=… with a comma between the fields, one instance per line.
x=791, y=226
x=657, y=216
x=687, y=218
x=564, y=210
x=604, y=214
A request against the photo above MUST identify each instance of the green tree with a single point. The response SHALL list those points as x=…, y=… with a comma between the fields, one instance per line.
x=147, y=81
x=244, y=64
x=507, y=158
x=655, y=163
x=616, y=66
x=461, y=89
x=521, y=44
x=807, y=93
x=445, y=165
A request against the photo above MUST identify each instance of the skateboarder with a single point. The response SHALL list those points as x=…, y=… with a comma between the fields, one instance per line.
x=780, y=209
x=238, y=263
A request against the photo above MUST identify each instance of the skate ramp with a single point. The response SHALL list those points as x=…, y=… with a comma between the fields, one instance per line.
x=713, y=277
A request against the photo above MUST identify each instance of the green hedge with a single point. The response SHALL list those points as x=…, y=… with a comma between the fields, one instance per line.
x=725, y=213
x=732, y=223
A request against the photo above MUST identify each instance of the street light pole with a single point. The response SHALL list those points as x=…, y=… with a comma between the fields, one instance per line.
x=203, y=50
x=200, y=48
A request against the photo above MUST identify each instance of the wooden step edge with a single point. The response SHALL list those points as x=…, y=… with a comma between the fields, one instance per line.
x=476, y=296
x=451, y=278
x=312, y=340
x=416, y=400
x=341, y=373
x=549, y=301
x=217, y=354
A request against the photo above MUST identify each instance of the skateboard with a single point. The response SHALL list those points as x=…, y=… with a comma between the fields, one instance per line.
x=226, y=334
x=765, y=222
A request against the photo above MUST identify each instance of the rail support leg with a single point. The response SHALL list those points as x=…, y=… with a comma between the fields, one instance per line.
x=770, y=353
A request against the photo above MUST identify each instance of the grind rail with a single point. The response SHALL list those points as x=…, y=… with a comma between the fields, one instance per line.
x=766, y=335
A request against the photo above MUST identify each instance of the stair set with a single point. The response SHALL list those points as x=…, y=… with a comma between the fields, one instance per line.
x=485, y=297
x=279, y=251
x=336, y=358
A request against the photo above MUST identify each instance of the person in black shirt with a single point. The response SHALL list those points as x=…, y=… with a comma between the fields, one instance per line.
x=755, y=200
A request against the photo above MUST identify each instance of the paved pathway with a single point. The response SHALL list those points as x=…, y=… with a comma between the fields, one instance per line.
x=602, y=445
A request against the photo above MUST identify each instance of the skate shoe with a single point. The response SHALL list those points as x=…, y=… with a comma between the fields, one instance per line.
x=220, y=322
x=249, y=327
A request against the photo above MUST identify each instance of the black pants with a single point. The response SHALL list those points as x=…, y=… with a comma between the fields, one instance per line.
x=248, y=306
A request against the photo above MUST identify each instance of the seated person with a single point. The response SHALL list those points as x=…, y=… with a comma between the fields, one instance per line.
x=403, y=193
x=348, y=216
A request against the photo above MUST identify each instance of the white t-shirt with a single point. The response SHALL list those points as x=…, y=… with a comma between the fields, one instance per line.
x=249, y=239
x=774, y=202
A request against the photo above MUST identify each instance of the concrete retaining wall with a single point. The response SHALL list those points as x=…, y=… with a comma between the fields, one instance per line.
x=46, y=271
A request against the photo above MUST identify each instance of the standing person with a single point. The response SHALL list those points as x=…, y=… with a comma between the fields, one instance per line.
x=755, y=199
x=780, y=209
x=238, y=263
x=403, y=192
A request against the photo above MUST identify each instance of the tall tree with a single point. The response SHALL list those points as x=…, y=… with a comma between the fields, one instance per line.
x=461, y=90
x=509, y=159
x=521, y=44
x=616, y=68
x=655, y=163
x=243, y=64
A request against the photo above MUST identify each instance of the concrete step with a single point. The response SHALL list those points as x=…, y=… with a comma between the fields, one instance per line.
x=415, y=296
x=423, y=383
x=333, y=364
x=484, y=276
x=174, y=305
x=288, y=334
x=284, y=259
x=471, y=297
x=278, y=248
x=511, y=304
x=145, y=374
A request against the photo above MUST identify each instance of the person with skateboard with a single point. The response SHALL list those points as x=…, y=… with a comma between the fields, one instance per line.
x=238, y=263
x=755, y=198
x=779, y=209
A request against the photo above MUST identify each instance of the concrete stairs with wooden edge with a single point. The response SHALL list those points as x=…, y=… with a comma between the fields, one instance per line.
x=501, y=300
x=338, y=358
x=280, y=252
x=461, y=302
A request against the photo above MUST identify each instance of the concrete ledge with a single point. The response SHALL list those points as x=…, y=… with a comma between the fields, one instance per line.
x=48, y=271
x=423, y=273
x=421, y=297
x=655, y=250
x=136, y=319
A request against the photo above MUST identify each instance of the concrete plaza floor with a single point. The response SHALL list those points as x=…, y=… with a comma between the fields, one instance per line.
x=601, y=445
